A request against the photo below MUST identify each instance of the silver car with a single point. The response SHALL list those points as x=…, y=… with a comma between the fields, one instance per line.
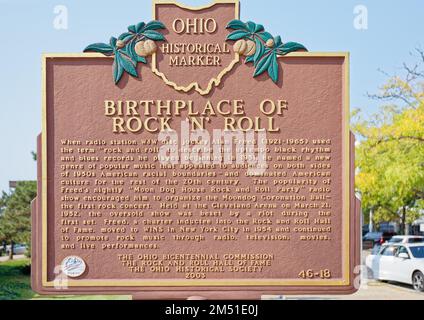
x=18, y=249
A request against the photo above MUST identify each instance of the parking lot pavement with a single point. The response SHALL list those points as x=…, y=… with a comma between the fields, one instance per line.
x=16, y=257
x=372, y=290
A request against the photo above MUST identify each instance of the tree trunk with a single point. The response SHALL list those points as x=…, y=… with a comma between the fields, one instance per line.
x=403, y=228
x=12, y=246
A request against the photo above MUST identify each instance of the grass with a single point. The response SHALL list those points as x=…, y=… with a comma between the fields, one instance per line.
x=15, y=284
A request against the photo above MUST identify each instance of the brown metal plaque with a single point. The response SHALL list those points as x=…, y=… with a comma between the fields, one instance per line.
x=113, y=216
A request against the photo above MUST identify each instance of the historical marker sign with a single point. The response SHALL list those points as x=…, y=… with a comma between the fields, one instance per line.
x=196, y=155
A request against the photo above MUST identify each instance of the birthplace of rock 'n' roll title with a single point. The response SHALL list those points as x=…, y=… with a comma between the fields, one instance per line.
x=195, y=155
x=155, y=116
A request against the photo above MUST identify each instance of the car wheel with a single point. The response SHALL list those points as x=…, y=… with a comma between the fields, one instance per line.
x=418, y=281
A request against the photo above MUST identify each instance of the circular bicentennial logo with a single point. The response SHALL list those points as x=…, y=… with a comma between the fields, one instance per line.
x=73, y=266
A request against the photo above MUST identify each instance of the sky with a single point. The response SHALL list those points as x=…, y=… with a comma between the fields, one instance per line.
x=383, y=41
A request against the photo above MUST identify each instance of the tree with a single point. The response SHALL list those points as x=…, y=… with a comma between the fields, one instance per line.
x=3, y=237
x=390, y=155
x=15, y=219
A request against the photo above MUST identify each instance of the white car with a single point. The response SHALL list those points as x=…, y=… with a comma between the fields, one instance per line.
x=400, y=262
x=18, y=249
x=406, y=239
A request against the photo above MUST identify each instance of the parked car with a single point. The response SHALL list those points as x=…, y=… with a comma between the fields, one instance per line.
x=406, y=239
x=17, y=249
x=400, y=262
x=373, y=238
x=365, y=229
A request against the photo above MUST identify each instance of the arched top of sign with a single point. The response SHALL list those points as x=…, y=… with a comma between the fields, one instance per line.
x=200, y=7
x=216, y=79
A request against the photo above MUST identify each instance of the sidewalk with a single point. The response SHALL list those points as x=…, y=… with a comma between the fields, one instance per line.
x=16, y=257
x=372, y=290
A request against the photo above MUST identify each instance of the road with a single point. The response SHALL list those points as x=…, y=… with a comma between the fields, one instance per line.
x=372, y=290
x=15, y=257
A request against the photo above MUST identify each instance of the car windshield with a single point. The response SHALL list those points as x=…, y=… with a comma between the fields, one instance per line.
x=417, y=252
x=376, y=249
x=373, y=235
x=395, y=240
x=388, y=251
